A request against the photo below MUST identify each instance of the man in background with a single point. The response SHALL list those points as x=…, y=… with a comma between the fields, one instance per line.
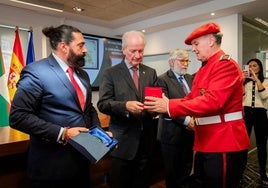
x=176, y=140
x=48, y=106
x=215, y=101
x=121, y=95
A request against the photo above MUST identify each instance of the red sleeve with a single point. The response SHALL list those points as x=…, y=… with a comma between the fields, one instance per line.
x=217, y=89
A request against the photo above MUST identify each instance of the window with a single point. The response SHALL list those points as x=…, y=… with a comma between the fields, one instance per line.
x=7, y=36
x=263, y=56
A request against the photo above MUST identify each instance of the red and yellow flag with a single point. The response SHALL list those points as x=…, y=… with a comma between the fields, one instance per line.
x=16, y=65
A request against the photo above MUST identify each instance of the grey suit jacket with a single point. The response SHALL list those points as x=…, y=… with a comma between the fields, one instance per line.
x=172, y=131
x=116, y=88
x=44, y=102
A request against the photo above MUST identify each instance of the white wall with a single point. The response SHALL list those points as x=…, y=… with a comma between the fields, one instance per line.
x=164, y=41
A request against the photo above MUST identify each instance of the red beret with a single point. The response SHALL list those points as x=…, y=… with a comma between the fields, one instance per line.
x=202, y=30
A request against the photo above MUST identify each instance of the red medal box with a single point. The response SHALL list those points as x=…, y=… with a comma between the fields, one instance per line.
x=153, y=92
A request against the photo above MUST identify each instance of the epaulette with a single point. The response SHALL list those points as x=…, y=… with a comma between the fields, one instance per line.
x=225, y=57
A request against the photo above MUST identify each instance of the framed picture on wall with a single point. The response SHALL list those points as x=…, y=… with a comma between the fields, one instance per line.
x=103, y=52
x=92, y=55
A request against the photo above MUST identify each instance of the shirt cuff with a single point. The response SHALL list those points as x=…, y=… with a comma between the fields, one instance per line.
x=261, y=90
x=187, y=120
x=60, y=134
x=168, y=109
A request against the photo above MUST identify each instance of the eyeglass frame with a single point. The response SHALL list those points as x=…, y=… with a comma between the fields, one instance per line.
x=183, y=60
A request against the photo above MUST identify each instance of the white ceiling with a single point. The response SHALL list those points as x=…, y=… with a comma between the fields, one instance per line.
x=152, y=15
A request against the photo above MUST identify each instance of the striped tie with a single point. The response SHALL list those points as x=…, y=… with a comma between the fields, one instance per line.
x=183, y=84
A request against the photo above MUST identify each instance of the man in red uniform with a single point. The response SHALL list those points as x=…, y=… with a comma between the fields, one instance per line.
x=215, y=101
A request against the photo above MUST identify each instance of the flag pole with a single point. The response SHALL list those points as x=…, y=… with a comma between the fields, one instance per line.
x=30, y=52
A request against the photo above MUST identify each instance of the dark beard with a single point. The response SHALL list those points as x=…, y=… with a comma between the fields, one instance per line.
x=76, y=60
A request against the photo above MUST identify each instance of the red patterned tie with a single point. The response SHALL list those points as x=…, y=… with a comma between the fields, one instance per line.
x=76, y=87
x=135, y=77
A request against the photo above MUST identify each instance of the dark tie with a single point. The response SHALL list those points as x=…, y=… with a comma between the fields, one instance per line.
x=135, y=76
x=76, y=87
x=183, y=84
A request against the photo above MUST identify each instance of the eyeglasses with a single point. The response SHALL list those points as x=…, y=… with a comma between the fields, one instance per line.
x=184, y=60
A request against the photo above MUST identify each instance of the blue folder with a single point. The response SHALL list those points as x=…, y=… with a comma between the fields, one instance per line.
x=94, y=144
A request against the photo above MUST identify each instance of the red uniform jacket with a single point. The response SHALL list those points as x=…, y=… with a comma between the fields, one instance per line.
x=217, y=89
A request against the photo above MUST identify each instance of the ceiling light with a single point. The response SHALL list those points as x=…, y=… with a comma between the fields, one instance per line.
x=261, y=21
x=78, y=9
x=144, y=31
x=212, y=14
x=41, y=4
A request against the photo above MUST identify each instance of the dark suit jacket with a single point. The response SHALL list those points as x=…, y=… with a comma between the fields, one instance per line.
x=172, y=131
x=116, y=88
x=44, y=102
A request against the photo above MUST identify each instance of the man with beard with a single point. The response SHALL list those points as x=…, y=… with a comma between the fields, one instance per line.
x=175, y=138
x=53, y=103
x=215, y=101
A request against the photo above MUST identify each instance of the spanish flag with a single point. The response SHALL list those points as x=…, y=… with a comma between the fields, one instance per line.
x=16, y=65
x=4, y=97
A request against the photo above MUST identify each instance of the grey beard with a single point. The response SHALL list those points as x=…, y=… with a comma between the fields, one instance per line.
x=181, y=72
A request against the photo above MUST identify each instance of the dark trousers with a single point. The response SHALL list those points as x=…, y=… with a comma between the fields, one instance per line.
x=257, y=118
x=178, y=164
x=219, y=170
x=68, y=183
x=130, y=173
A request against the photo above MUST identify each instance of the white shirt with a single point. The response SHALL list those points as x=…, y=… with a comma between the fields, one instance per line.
x=64, y=67
x=260, y=97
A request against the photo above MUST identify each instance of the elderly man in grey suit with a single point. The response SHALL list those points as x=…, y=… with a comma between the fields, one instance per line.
x=176, y=140
x=48, y=106
x=121, y=96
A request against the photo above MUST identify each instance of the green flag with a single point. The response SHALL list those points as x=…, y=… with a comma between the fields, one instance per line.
x=4, y=95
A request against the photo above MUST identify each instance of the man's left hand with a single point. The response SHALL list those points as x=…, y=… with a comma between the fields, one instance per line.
x=155, y=104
